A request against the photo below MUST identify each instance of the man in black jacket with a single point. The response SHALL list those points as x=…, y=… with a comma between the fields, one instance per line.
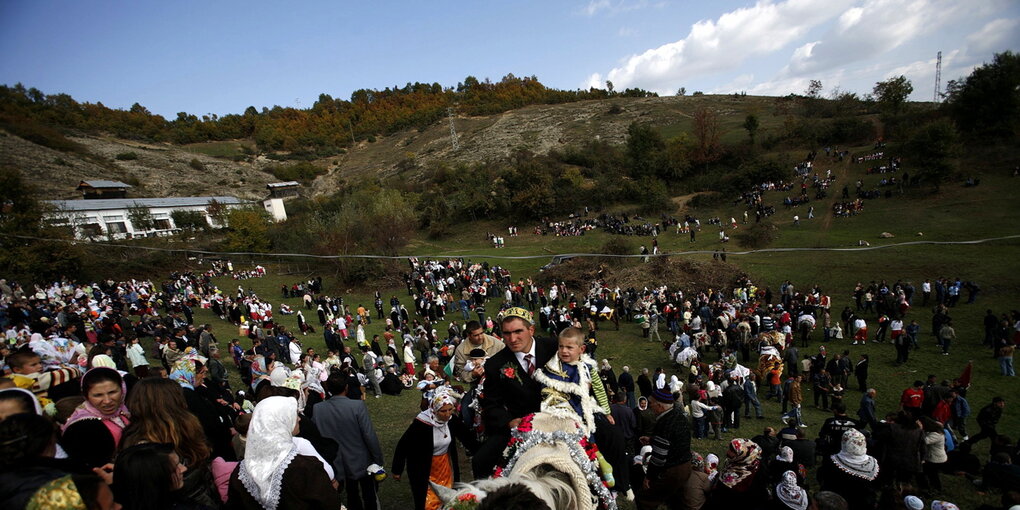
x=511, y=393
x=988, y=418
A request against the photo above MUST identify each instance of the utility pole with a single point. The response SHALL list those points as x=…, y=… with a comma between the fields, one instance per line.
x=453, y=129
x=938, y=77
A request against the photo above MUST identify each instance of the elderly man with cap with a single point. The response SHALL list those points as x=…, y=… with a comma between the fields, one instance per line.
x=511, y=392
x=670, y=463
x=475, y=338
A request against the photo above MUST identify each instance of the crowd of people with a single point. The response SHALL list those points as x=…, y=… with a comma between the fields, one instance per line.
x=85, y=412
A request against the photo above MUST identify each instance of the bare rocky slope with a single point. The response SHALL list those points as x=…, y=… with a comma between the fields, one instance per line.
x=166, y=170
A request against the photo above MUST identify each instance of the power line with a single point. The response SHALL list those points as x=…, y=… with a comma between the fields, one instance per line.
x=518, y=257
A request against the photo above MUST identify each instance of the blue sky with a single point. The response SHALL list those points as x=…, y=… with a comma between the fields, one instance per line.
x=220, y=57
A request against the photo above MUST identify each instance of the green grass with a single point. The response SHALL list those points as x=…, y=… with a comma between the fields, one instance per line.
x=955, y=214
x=225, y=149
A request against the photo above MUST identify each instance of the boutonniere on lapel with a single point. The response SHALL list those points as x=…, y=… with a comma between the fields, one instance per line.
x=509, y=371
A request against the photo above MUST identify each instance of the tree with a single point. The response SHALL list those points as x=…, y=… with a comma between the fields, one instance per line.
x=609, y=86
x=706, y=135
x=682, y=91
x=217, y=212
x=140, y=217
x=932, y=149
x=987, y=103
x=43, y=251
x=644, y=150
x=892, y=94
x=751, y=125
x=189, y=220
x=814, y=89
x=247, y=229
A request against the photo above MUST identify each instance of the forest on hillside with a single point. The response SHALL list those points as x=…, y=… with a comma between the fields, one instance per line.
x=324, y=129
x=381, y=216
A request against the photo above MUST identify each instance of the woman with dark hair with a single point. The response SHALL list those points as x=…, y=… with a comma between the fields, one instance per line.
x=429, y=449
x=27, y=445
x=159, y=414
x=148, y=475
x=190, y=373
x=18, y=400
x=902, y=447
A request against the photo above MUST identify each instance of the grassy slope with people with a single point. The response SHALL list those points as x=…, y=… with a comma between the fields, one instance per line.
x=956, y=214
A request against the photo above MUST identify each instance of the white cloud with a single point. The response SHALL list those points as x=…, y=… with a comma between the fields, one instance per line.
x=725, y=43
x=996, y=36
x=594, y=6
x=626, y=32
x=874, y=28
x=609, y=7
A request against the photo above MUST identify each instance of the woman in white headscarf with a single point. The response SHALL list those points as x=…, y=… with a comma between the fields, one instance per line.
x=275, y=473
x=428, y=449
x=789, y=495
x=851, y=473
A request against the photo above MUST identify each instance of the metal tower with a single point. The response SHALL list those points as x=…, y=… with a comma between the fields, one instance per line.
x=938, y=77
x=453, y=129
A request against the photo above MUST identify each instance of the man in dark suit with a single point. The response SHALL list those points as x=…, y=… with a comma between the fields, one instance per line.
x=510, y=392
x=346, y=422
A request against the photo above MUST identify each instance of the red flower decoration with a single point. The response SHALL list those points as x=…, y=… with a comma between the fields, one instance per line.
x=467, y=498
x=498, y=472
x=509, y=373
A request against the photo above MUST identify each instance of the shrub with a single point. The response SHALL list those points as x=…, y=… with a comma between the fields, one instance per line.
x=759, y=235
x=304, y=172
x=701, y=200
x=196, y=164
x=615, y=109
x=126, y=156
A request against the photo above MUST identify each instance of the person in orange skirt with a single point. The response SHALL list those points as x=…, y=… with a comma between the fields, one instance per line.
x=429, y=450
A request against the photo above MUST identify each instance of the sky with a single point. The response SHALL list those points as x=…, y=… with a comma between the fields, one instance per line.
x=220, y=57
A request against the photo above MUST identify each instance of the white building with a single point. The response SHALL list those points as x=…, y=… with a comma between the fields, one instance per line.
x=111, y=218
x=278, y=192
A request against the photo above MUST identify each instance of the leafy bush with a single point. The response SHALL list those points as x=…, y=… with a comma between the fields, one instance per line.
x=702, y=200
x=760, y=235
x=196, y=164
x=126, y=156
x=39, y=134
x=615, y=109
x=190, y=220
x=303, y=172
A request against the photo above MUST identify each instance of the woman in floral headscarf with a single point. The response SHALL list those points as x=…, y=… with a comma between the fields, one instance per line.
x=428, y=449
x=789, y=495
x=851, y=473
x=742, y=483
x=698, y=484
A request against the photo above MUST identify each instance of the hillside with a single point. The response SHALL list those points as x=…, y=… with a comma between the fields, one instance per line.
x=537, y=128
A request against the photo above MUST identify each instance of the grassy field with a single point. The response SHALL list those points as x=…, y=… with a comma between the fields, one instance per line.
x=225, y=149
x=956, y=214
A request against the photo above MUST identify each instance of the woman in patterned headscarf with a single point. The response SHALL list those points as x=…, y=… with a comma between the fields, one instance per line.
x=698, y=484
x=428, y=449
x=742, y=483
x=789, y=495
x=851, y=473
